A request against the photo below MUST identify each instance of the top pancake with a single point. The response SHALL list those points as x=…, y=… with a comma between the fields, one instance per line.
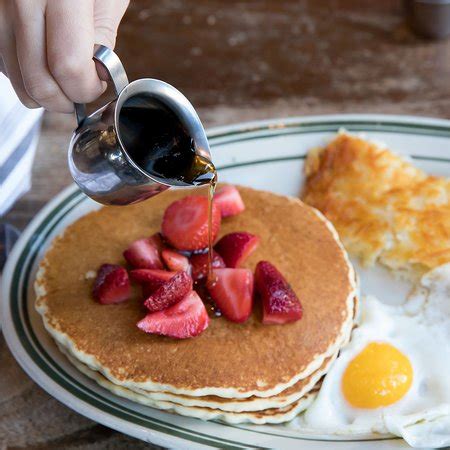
x=228, y=359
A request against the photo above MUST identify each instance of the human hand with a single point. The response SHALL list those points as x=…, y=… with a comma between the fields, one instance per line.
x=47, y=48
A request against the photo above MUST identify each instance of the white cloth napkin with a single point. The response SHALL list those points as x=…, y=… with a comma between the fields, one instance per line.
x=19, y=133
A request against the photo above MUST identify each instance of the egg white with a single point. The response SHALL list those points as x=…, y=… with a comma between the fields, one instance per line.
x=420, y=329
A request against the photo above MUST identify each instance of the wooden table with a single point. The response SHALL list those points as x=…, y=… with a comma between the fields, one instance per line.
x=235, y=60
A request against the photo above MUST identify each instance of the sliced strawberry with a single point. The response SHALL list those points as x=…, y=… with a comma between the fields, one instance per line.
x=143, y=254
x=185, y=223
x=175, y=261
x=236, y=247
x=112, y=284
x=187, y=318
x=199, y=263
x=280, y=304
x=149, y=288
x=150, y=279
x=232, y=291
x=170, y=292
x=229, y=201
x=157, y=241
x=151, y=275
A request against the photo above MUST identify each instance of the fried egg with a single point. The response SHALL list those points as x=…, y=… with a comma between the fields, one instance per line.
x=393, y=376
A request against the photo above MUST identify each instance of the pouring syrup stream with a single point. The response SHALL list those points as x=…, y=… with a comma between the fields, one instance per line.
x=211, y=190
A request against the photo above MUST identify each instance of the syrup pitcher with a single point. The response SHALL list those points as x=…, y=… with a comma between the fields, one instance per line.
x=149, y=138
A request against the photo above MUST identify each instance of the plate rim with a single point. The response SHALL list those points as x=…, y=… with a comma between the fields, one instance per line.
x=402, y=119
x=217, y=135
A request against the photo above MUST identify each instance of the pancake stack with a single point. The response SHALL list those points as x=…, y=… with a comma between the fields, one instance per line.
x=236, y=373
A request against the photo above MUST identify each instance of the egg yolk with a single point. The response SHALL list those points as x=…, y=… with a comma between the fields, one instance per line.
x=378, y=376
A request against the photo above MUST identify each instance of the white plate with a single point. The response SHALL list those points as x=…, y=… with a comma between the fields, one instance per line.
x=266, y=155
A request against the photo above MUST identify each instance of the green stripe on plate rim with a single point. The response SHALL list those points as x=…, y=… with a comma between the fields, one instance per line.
x=29, y=254
x=250, y=132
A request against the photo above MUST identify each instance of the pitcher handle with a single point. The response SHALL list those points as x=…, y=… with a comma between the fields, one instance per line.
x=116, y=73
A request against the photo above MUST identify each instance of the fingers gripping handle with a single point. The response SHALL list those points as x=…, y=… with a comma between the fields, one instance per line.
x=116, y=74
x=113, y=66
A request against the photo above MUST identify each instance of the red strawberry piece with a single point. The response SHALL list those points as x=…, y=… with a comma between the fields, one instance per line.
x=157, y=241
x=232, y=291
x=143, y=254
x=199, y=263
x=112, y=284
x=229, y=201
x=185, y=319
x=185, y=223
x=175, y=261
x=280, y=304
x=236, y=247
x=150, y=279
x=142, y=276
x=149, y=288
x=170, y=292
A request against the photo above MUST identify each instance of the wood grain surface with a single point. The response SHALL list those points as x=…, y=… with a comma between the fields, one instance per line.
x=235, y=60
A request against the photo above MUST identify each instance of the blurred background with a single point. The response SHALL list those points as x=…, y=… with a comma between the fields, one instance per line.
x=256, y=59
x=236, y=61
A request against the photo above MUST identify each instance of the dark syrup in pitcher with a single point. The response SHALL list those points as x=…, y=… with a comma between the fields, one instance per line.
x=157, y=141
